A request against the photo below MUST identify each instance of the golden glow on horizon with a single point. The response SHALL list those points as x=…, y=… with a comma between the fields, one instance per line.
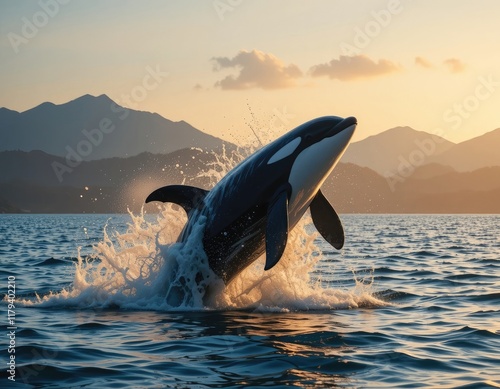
x=389, y=63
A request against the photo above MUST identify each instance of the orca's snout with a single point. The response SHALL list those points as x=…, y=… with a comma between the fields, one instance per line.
x=346, y=123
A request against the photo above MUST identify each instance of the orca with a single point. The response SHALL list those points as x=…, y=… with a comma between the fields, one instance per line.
x=252, y=209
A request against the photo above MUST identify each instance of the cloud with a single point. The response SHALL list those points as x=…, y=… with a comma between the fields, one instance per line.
x=256, y=70
x=420, y=61
x=351, y=68
x=454, y=65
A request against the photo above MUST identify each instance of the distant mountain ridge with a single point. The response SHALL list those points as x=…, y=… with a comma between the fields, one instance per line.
x=91, y=127
x=395, y=151
x=95, y=127
x=384, y=152
x=118, y=184
x=102, y=186
x=92, y=155
x=482, y=151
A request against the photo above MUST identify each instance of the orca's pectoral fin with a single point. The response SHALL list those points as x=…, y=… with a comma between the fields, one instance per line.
x=188, y=197
x=276, y=229
x=327, y=221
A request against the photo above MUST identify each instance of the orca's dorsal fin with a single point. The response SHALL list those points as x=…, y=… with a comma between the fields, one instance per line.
x=276, y=229
x=188, y=197
x=326, y=221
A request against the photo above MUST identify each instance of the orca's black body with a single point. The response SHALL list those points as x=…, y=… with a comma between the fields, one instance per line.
x=252, y=209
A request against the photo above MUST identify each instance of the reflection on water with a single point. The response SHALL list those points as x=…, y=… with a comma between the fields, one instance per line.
x=438, y=278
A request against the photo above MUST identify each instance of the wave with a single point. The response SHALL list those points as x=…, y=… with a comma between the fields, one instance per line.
x=57, y=261
x=145, y=268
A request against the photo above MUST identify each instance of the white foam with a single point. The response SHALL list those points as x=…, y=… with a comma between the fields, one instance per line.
x=144, y=268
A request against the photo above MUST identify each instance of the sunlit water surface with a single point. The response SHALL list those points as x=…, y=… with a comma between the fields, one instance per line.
x=411, y=301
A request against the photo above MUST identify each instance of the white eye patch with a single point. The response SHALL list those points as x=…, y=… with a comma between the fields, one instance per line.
x=285, y=151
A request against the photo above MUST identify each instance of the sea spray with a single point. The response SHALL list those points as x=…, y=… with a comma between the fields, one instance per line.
x=142, y=268
x=146, y=268
x=290, y=285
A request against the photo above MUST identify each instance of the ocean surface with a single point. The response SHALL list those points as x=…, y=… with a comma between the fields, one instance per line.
x=411, y=301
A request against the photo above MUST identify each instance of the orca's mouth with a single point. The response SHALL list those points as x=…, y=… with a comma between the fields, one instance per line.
x=341, y=126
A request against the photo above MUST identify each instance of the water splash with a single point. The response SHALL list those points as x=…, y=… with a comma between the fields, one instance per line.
x=145, y=268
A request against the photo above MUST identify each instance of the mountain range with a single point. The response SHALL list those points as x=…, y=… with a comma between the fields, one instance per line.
x=398, y=171
x=394, y=151
x=118, y=184
x=95, y=128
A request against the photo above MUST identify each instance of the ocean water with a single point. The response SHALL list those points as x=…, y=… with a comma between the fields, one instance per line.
x=109, y=301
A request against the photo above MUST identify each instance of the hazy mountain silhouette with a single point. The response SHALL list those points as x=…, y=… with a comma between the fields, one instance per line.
x=7, y=207
x=352, y=188
x=473, y=154
x=145, y=151
x=455, y=192
x=384, y=152
x=37, y=167
x=29, y=182
x=431, y=170
x=484, y=179
x=118, y=184
x=96, y=128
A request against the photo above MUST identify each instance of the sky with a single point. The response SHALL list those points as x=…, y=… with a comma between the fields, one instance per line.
x=231, y=67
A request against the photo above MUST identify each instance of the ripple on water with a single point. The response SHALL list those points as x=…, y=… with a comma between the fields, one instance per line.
x=438, y=325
